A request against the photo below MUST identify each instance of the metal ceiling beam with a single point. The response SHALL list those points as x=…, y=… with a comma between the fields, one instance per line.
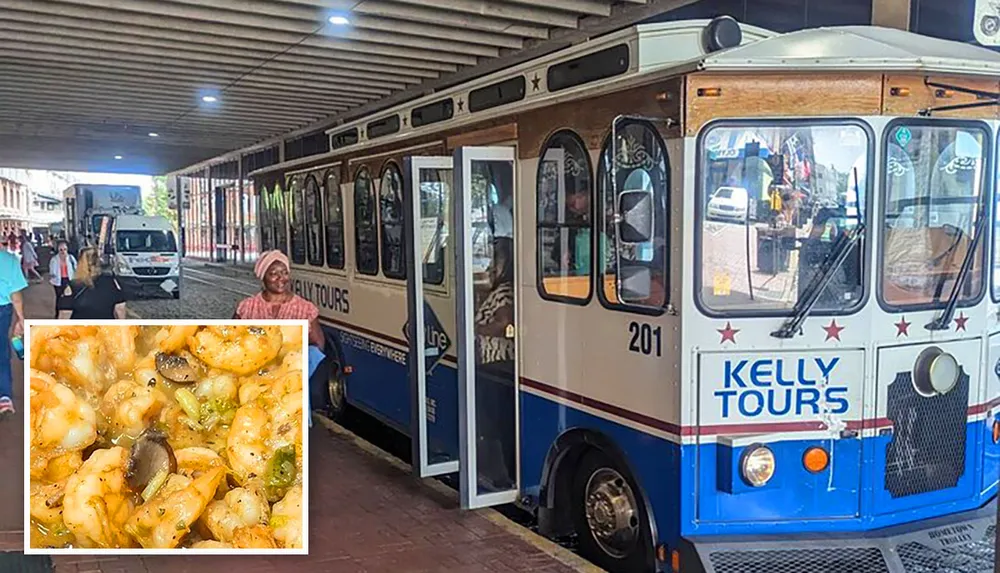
x=212, y=28
x=107, y=41
x=237, y=123
x=588, y=7
x=97, y=86
x=199, y=15
x=24, y=43
x=210, y=81
x=59, y=25
x=84, y=131
x=167, y=81
x=499, y=10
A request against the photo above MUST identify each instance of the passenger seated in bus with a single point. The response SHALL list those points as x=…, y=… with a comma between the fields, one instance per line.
x=574, y=261
x=276, y=301
x=494, y=328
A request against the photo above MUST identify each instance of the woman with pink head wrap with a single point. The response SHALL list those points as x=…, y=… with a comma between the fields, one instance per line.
x=276, y=301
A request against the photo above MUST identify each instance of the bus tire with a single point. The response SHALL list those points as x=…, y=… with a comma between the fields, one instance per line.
x=610, y=519
x=336, y=390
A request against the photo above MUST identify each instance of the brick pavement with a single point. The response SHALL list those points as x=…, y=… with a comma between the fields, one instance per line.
x=367, y=514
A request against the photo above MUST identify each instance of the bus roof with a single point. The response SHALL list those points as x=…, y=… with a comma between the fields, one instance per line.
x=856, y=48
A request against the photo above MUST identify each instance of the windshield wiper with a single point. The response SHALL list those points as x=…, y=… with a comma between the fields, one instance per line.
x=942, y=321
x=830, y=265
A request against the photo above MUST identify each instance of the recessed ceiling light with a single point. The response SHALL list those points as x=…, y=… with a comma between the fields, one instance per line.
x=118, y=156
x=154, y=134
x=339, y=20
x=209, y=99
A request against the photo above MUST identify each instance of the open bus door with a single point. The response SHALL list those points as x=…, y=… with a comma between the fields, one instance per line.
x=487, y=365
x=428, y=193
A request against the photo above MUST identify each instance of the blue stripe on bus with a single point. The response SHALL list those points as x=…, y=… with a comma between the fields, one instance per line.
x=796, y=502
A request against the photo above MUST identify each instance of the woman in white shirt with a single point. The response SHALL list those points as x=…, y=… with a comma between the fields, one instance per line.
x=62, y=267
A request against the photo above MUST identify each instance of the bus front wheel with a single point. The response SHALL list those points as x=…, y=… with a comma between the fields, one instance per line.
x=336, y=393
x=610, y=520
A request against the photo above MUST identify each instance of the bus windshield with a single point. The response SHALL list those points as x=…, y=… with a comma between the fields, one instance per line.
x=775, y=201
x=933, y=191
x=146, y=241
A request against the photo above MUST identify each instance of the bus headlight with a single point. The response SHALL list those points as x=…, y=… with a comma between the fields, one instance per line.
x=935, y=372
x=757, y=465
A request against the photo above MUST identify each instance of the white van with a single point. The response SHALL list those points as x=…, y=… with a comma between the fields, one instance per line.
x=144, y=256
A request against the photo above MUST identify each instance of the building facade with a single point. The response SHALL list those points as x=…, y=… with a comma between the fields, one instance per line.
x=14, y=206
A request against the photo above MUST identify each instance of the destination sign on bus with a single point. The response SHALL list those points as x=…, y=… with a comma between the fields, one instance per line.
x=780, y=386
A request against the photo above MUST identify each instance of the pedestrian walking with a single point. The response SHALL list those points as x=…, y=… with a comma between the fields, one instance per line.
x=29, y=259
x=91, y=295
x=62, y=268
x=11, y=323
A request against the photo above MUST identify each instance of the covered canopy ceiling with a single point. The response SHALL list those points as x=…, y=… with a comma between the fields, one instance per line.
x=126, y=85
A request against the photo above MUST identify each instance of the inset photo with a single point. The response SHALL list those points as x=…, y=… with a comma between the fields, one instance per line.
x=156, y=437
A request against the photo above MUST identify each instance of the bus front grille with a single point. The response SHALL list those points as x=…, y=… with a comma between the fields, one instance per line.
x=927, y=449
x=847, y=560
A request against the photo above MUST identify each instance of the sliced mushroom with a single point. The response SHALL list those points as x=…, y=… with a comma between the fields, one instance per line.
x=150, y=455
x=175, y=368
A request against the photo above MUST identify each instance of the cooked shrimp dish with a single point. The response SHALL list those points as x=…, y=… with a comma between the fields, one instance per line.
x=164, y=437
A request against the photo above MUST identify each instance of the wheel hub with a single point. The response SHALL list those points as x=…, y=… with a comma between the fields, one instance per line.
x=612, y=513
x=335, y=388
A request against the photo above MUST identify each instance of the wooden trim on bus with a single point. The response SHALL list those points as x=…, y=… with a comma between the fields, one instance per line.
x=907, y=95
x=781, y=95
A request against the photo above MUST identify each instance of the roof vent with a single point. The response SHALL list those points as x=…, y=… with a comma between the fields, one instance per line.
x=721, y=33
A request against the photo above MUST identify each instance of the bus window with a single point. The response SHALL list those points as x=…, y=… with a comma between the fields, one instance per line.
x=278, y=218
x=391, y=215
x=774, y=202
x=365, y=225
x=435, y=188
x=334, y=216
x=640, y=164
x=296, y=226
x=313, y=222
x=935, y=183
x=564, y=219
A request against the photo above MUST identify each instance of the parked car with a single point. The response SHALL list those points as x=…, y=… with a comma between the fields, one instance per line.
x=728, y=203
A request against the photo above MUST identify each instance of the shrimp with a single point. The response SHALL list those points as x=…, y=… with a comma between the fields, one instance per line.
x=246, y=448
x=131, y=407
x=194, y=462
x=60, y=421
x=74, y=355
x=286, y=519
x=292, y=340
x=166, y=518
x=241, y=507
x=45, y=508
x=237, y=349
x=254, y=537
x=119, y=345
x=97, y=501
x=174, y=338
x=211, y=544
x=61, y=467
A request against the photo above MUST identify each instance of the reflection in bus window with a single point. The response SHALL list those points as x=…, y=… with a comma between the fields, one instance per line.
x=295, y=221
x=266, y=231
x=365, y=226
x=640, y=165
x=564, y=217
x=278, y=218
x=334, y=216
x=391, y=214
x=934, y=185
x=435, y=188
x=313, y=222
x=776, y=202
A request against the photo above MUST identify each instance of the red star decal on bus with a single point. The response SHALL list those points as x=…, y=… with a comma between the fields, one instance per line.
x=960, y=321
x=833, y=330
x=728, y=333
x=903, y=327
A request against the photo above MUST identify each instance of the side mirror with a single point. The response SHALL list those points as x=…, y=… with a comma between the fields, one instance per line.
x=635, y=283
x=636, y=211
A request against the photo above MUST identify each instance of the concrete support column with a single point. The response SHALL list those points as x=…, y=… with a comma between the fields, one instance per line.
x=891, y=13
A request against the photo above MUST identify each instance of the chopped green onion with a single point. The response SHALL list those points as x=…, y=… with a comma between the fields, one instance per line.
x=189, y=402
x=281, y=472
x=154, y=485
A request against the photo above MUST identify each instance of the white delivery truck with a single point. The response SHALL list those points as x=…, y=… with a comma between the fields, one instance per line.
x=144, y=257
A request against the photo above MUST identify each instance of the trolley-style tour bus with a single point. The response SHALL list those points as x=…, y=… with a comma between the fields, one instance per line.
x=705, y=296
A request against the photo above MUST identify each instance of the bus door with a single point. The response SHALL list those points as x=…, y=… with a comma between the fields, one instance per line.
x=433, y=389
x=484, y=234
